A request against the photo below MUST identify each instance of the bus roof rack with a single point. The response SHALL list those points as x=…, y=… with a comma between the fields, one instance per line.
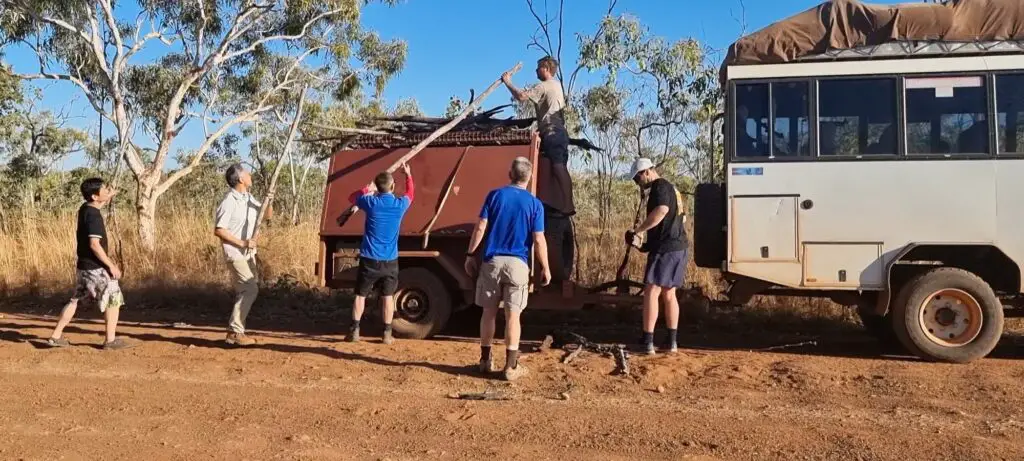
x=913, y=49
x=847, y=29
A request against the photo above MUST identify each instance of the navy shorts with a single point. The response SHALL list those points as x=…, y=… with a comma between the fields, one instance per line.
x=666, y=270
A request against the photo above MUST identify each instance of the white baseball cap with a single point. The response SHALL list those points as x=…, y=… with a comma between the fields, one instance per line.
x=641, y=164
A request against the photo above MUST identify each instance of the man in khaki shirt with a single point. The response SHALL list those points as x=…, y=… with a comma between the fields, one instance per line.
x=554, y=185
x=235, y=226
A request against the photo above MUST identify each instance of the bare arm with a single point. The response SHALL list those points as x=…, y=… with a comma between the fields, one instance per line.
x=518, y=94
x=478, y=236
x=101, y=254
x=653, y=219
x=540, y=248
x=474, y=242
x=226, y=237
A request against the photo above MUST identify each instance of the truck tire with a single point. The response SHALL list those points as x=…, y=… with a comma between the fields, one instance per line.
x=708, y=222
x=422, y=304
x=948, y=315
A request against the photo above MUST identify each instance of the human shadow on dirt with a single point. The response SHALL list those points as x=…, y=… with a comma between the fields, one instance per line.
x=331, y=351
x=286, y=309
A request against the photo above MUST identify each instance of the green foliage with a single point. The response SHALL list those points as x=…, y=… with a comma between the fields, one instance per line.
x=407, y=107
x=216, y=62
x=10, y=92
x=32, y=143
x=455, y=107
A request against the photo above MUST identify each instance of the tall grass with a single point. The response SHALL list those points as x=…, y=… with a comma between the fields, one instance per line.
x=38, y=258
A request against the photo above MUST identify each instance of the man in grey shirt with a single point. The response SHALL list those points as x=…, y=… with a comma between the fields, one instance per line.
x=235, y=224
x=554, y=185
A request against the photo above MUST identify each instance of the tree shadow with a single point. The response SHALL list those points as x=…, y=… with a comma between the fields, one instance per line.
x=285, y=311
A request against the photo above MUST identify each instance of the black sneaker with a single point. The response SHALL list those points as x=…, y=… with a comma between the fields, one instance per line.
x=388, y=338
x=353, y=336
x=649, y=349
x=671, y=348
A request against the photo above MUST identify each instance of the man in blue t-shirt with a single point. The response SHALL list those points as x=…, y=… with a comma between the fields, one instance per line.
x=516, y=220
x=378, y=254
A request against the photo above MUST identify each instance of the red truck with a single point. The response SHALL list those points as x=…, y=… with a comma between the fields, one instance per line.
x=453, y=176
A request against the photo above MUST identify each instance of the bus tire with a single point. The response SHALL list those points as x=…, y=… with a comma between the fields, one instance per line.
x=948, y=315
x=708, y=222
x=422, y=304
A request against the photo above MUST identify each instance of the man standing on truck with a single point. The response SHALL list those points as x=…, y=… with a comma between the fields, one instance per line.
x=666, y=249
x=554, y=185
x=516, y=220
x=235, y=226
x=378, y=254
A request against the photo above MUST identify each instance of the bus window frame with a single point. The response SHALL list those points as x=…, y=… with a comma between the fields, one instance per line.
x=989, y=78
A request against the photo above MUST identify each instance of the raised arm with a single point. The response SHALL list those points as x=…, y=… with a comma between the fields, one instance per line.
x=410, y=187
x=518, y=94
x=359, y=193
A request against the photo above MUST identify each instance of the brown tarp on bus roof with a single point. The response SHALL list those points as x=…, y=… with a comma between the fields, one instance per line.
x=845, y=24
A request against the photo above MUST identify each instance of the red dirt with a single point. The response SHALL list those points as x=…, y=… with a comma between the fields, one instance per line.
x=180, y=395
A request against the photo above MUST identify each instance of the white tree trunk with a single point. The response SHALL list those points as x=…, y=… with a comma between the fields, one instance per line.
x=145, y=204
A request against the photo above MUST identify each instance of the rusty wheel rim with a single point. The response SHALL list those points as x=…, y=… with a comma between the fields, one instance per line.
x=951, y=317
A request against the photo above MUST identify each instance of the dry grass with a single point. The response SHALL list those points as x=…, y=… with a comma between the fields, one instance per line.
x=39, y=259
x=187, y=267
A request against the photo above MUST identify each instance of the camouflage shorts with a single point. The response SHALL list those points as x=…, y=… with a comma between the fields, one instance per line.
x=95, y=286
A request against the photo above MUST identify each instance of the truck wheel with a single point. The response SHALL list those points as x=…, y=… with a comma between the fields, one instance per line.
x=948, y=315
x=422, y=304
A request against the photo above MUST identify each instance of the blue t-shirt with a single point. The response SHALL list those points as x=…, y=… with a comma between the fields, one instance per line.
x=513, y=215
x=384, y=214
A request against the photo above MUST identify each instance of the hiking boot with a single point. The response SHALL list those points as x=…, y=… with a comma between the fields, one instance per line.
x=353, y=336
x=58, y=342
x=388, y=338
x=648, y=349
x=116, y=345
x=512, y=374
x=486, y=366
x=671, y=348
x=239, y=339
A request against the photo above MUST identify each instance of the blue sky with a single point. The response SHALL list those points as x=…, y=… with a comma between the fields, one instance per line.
x=455, y=45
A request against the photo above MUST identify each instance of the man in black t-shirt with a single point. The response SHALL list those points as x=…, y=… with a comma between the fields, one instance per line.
x=666, y=248
x=96, y=274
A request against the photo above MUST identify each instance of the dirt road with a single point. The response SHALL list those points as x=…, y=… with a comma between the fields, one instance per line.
x=181, y=395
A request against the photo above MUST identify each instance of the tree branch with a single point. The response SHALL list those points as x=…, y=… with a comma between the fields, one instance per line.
x=201, y=152
x=302, y=33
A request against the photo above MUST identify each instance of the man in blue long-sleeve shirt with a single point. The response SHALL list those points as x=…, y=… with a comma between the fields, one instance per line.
x=378, y=254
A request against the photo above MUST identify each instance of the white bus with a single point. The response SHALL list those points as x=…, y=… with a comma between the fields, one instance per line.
x=889, y=178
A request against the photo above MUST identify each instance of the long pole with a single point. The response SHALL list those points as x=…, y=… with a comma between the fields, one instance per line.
x=436, y=134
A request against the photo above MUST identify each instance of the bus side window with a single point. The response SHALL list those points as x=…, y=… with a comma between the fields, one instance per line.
x=791, y=106
x=857, y=117
x=946, y=115
x=751, y=120
x=1010, y=113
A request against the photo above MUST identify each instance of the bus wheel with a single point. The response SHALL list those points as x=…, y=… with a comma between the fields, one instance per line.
x=948, y=315
x=422, y=304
